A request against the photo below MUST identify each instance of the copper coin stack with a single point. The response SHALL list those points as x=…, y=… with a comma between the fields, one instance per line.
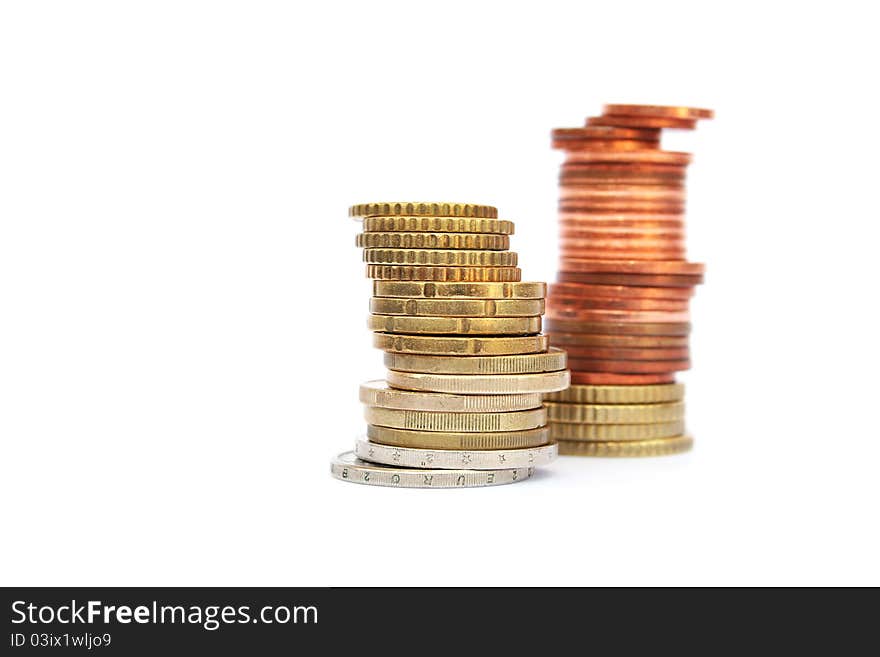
x=620, y=304
x=467, y=362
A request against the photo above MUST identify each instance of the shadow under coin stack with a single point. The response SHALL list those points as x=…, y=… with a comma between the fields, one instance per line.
x=620, y=306
x=467, y=363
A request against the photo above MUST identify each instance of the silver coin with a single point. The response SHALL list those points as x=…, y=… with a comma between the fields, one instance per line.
x=348, y=467
x=494, y=459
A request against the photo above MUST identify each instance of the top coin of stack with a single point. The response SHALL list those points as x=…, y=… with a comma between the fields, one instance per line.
x=462, y=334
x=620, y=306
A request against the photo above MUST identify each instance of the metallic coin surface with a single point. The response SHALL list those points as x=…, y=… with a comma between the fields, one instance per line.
x=620, y=291
x=641, y=157
x=440, y=257
x=615, y=432
x=480, y=384
x=456, y=307
x=348, y=467
x=458, y=440
x=455, y=325
x=441, y=274
x=614, y=379
x=605, y=132
x=422, y=208
x=378, y=393
x=618, y=328
x=586, y=302
x=579, y=342
x=623, y=353
x=460, y=346
x=475, y=241
x=635, y=280
x=551, y=361
x=672, y=267
x=655, y=394
x=614, y=413
x=628, y=366
x=465, y=422
x=624, y=121
x=437, y=225
x=658, y=447
x=496, y=459
x=430, y=290
x=555, y=312
x=666, y=111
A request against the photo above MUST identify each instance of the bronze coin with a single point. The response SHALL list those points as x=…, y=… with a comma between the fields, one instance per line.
x=573, y=341
x=665, y=111
x=613, y=379
x=604, y=145
x=627, y=353
x=628, y=366
x=618, y=121
x=558, y=312
x=617, y=328
x=619, y=291
x=667, y=268
x=609, y=303
x=640, y=157
x=635, y=280
x=631, y=235
x=606, y=132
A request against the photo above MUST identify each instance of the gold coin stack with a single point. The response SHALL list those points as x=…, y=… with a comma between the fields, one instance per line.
x=467, y=363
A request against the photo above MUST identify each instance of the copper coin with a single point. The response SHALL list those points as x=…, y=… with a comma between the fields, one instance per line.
x=617, y=328
x=671, y=267
x=626, y=353
x=575, y=341
x=606, y=132
x=609, y=303
x=618, y=121
x=636, y=235
x=625, y=169
x=610, y=206
x=636, y=280
x=627, y=366
x=623, y=194
x=627, y=254
x=598, y=185
x=633, y=243
x=604, y=145
x=612, y=379
x=555, y=311
x=614, y=221
x=640, y=157
x=619, y=291
x=665, y=111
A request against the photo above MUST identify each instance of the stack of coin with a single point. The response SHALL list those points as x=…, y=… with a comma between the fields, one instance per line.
x=620, y=306
x=467, y=363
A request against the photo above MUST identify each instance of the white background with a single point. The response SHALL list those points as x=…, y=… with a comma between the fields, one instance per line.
x=182, y=308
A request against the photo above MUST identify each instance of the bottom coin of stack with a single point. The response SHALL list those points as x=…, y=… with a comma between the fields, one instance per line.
x=612, y=420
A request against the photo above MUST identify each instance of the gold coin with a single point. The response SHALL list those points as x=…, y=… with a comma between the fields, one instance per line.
x=457, y=307
x=615, y=432
x=464, y=422
x=440, y=258
x=552, y=361
x=422, y=209
x=444, y=274
x=377, y=393
x=459, y=290
x=480, y=384
x=460, y=346
x=437, y=225
x=656, y=447
x=457, y=439
x=650, y=394
x=475, y=241
x=615, y=413
x=455, y=325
